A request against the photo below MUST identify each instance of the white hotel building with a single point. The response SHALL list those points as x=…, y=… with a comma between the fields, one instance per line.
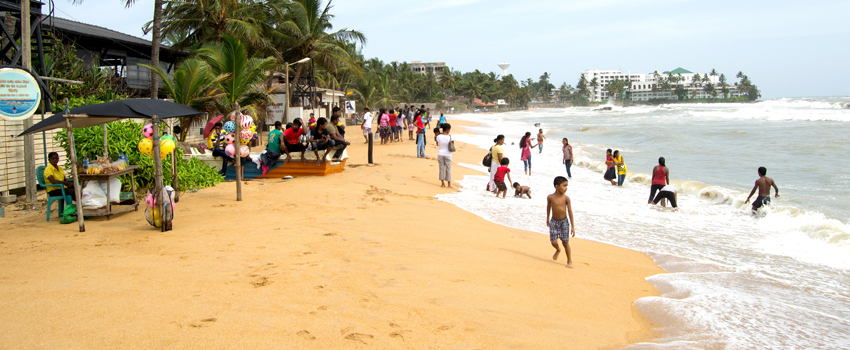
x=642, y=84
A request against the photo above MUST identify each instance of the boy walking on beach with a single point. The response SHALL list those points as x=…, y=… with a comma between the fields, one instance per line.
x=558, y=205
x=499, y=178
x=763, y=184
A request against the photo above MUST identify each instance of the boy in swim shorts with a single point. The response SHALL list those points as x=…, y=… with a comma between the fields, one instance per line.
x=499, y=178
x=559, y=206
x=763, y=184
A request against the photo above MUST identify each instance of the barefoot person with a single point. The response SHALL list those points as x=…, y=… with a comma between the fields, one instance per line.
x=540, y=139
x=444, y=156
x=660, y=178
x=763, y=184
x=497, y=153
x=521, y=190
x=499, y=179
x=290, y=140
x=338, y=142
x=526, y=146
x=621, y=168
x=558, y=206
x=611, y=172
x=568, y=156
x=667, y=193
x=367, y=124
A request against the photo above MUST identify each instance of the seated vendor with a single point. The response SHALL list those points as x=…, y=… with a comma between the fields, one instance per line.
x=214, y=142
x=54, y=175
x=290, y=140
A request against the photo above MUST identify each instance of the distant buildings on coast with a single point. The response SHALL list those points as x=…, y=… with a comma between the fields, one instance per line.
x=437, y=68
x=654, y=86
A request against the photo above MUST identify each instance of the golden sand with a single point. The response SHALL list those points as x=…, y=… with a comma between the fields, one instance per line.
x=363, y=259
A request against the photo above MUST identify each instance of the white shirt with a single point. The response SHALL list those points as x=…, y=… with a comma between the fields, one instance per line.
x=443, y=142
x=367, y=120
x=669, y=188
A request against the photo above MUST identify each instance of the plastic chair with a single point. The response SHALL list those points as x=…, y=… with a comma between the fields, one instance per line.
x=39, y=173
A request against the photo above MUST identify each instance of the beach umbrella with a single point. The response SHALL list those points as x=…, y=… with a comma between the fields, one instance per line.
x=211, y=125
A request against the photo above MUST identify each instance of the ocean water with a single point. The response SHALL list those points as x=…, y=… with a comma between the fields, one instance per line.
x=776, y=280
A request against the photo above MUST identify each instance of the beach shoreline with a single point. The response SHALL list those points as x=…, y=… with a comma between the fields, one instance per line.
x=368, y=257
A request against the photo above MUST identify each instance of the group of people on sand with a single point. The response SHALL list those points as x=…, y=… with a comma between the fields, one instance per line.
x=392, y=123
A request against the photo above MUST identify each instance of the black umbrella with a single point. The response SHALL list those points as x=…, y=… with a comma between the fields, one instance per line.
x=111, y=111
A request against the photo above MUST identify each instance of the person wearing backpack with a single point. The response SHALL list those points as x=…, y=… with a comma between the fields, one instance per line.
x=496, y=154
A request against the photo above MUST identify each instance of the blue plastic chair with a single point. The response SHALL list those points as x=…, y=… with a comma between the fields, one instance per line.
x=39, y=173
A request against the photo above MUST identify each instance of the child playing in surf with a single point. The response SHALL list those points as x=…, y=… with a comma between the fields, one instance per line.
x=559, y=206
x=540, y=139
x=521, y=190
x=763, y=184
x=499, y=179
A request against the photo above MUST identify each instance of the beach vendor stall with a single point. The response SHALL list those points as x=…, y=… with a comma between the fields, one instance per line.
x=100, y=114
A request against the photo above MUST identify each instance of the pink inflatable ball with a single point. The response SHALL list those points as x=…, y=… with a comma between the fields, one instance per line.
x=247, y=122
x=230, y=150
x=147, y=131
x=229, y=139
x=244, y=151
x=149, y=201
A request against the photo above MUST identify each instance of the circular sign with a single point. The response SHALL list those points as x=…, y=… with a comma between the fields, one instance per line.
x=19, y=94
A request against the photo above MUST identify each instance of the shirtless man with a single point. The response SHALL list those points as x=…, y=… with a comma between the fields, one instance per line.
x=763, y=184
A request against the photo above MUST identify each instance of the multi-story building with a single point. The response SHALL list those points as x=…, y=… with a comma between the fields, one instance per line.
x=643, y=86
x=423, y=68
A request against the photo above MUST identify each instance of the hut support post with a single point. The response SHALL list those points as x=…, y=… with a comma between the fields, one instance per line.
x=77, y=189
x=237, y=157
x=157, y=170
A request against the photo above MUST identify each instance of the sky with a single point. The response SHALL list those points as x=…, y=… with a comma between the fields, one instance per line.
x=787, y=48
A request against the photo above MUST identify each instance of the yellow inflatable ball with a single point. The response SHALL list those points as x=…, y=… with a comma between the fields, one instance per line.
x=157, y=219
x=146, y=146
x=166, y=146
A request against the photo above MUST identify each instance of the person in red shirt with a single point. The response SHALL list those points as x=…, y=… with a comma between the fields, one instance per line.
x=290, y=140
x=499, y=179
x=393, y=125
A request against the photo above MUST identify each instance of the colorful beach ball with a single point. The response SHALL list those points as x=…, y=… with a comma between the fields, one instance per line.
x=229, y=126
x=229, y=138
x=247, y=121
x=166, y=146
x=247, y=134
x=230, y=150
x=146, y=146
x=244, y=151
x=147, y=131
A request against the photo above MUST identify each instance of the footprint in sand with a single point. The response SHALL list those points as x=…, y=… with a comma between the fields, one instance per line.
x=359, y=337
x=306, y=335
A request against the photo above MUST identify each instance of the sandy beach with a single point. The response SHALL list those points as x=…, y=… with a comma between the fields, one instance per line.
x=363, y=259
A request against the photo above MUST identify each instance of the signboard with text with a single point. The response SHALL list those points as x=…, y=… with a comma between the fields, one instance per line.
x=349, y=107
x=19, y=94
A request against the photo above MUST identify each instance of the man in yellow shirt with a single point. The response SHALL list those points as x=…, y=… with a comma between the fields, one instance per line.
x=53, y=174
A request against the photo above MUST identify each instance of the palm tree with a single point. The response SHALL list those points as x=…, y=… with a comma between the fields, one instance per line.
x=593, y=85
x=203, y=21
x=305, y=31
x=696, y=80
x=194, y=86
x=724, y=86
x=229, y=57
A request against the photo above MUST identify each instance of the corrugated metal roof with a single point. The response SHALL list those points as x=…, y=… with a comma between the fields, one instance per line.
x=89, y=30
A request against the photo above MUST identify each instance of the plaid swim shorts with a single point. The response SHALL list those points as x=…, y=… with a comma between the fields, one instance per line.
x=559, y=229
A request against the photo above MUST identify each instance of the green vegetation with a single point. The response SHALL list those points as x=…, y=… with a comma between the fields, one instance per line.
x=99, y=85
x=124, y=136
